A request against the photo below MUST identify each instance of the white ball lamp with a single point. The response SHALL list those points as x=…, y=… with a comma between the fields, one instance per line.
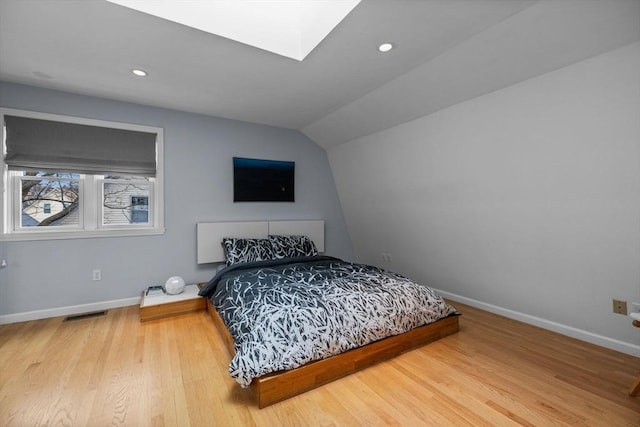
x=174, y=285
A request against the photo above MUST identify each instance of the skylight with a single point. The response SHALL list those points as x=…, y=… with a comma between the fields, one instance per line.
x=291, y=28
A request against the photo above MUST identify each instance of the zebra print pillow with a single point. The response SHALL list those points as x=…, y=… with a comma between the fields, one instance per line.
x=246, y=250
x=292, y=246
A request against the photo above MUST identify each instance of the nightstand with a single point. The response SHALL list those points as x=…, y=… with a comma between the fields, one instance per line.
x=158, y=306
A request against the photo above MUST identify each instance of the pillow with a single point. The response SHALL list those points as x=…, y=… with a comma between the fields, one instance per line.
x=292, y=246
x=246, y=250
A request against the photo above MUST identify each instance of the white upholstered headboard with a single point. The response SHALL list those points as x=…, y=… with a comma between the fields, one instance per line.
x=210, y=234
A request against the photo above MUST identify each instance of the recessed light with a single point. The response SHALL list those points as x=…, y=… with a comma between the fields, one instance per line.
x=385, y=47
x=138, y=72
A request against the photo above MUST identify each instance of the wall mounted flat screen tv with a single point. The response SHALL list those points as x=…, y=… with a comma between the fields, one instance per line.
x=256, y=180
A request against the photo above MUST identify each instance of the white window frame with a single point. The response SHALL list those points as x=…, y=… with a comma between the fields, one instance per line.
x=90, y=192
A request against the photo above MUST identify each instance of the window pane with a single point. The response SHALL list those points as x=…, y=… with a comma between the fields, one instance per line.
x=125, y=202
x=49, y=199
x=140, y=209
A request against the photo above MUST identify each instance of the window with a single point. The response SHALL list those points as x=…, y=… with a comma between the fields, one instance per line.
x=65, y=177
x=139, y=209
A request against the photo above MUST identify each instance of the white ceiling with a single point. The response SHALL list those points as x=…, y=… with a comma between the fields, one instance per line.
x=447, y=51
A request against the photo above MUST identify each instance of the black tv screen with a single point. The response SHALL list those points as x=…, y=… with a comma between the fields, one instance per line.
x=256, y=180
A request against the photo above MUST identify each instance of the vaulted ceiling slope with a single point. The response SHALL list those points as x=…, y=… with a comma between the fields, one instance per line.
x=447, y=51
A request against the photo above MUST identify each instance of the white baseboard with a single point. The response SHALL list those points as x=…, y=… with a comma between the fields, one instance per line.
x=590, y=337
x=66, y=311
x=613, y=344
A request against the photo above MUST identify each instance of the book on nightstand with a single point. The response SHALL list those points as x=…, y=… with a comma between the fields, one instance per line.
x=154, y=290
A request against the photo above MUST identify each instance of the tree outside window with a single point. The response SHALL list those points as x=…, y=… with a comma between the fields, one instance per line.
x=49, y=199
x=126, y=200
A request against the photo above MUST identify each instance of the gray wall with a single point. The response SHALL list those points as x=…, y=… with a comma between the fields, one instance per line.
x=525, y=200
x=198, y=187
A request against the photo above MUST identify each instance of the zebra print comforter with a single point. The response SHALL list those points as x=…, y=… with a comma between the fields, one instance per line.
x=285, y=313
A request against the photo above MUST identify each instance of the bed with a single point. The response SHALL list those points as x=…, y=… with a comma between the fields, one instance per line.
x=294, y=319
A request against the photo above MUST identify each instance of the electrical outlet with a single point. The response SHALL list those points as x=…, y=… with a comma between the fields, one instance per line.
x=386, y=257
x=620, y=307
x=635, y=307
x=97, y=274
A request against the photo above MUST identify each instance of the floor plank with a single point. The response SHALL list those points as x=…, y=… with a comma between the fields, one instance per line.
x=113, y=370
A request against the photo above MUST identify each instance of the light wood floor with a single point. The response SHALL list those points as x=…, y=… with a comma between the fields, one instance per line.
x=173, y=372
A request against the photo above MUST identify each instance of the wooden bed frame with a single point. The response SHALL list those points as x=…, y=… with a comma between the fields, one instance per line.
x=272, y=388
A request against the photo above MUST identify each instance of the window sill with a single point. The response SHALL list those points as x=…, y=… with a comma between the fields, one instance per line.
x=63, y=235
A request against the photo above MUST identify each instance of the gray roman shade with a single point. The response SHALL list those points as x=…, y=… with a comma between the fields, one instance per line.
x=45, y=145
